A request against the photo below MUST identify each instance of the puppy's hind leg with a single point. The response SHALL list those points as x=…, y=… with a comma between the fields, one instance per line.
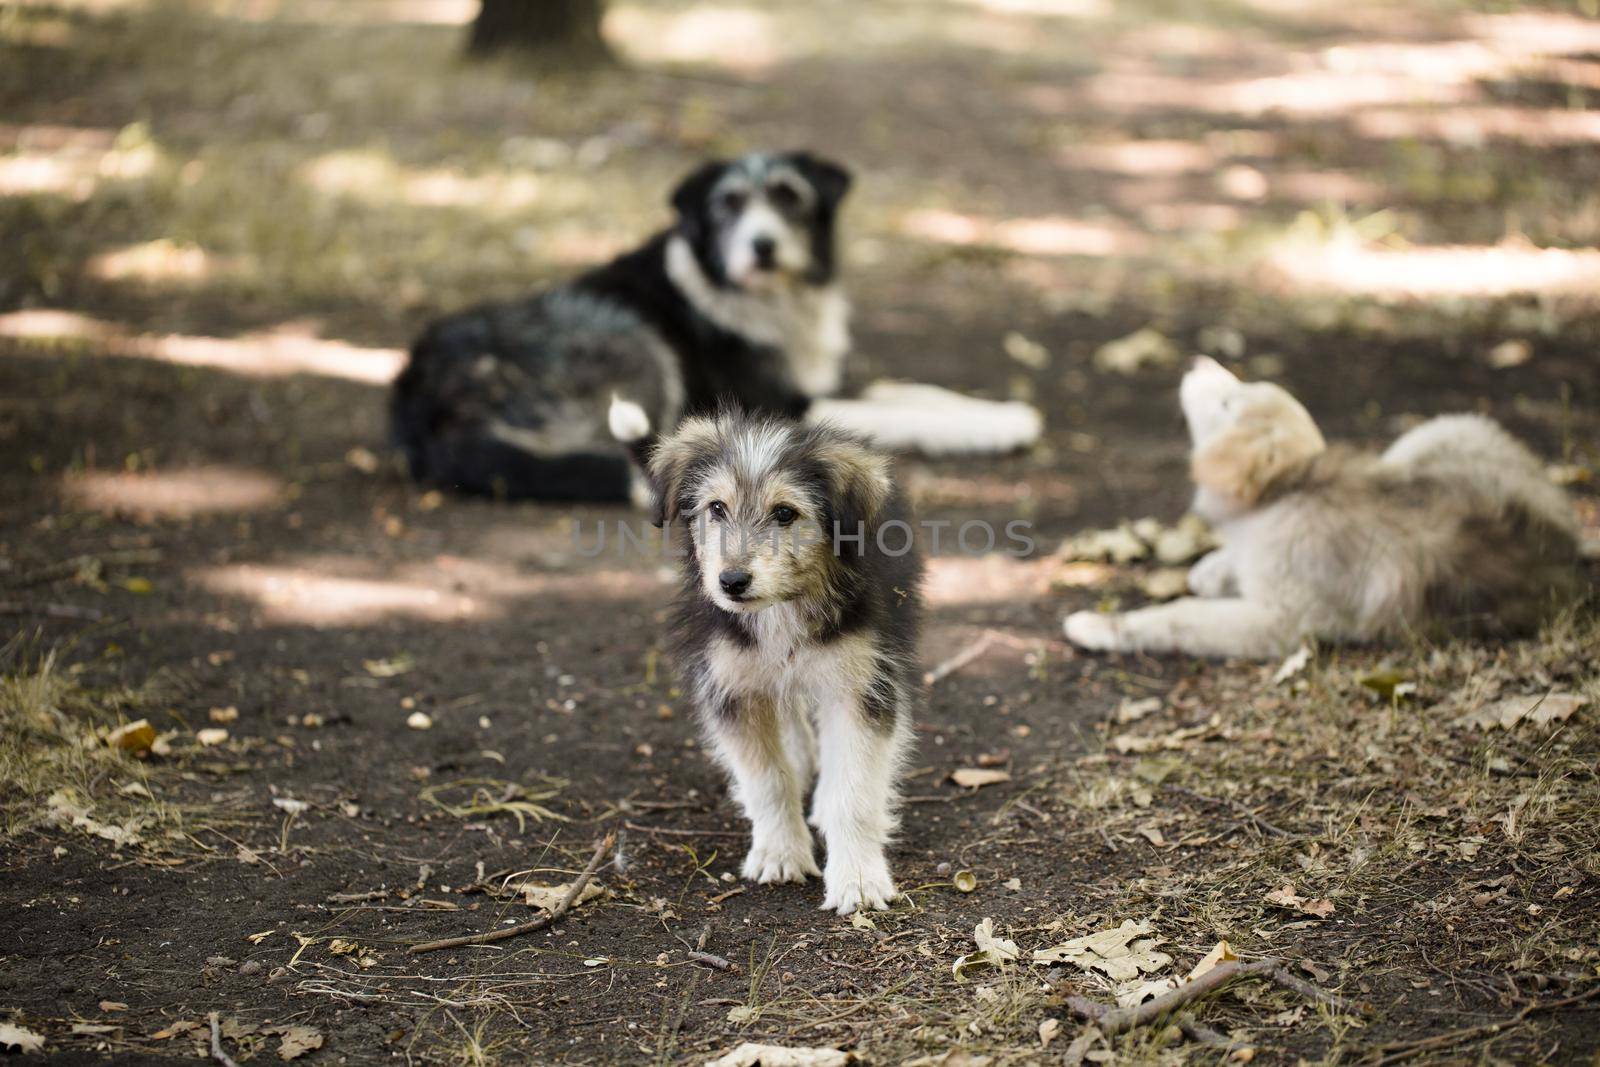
x=862, y=746
x=748, y=738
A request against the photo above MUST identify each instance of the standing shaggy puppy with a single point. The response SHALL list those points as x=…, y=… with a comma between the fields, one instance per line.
x=1454, y=528
x=796, y=633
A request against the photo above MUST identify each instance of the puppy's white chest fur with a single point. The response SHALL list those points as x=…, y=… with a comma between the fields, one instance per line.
x=810, y=324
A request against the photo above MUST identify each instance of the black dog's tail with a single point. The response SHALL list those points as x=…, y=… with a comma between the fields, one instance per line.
x=630, y=425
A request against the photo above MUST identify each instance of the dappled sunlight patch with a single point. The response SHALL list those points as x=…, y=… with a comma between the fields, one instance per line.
x=1052, y=235
x=51, y=324
x=162, y=261
x=71, y=161
x=373, y=176
x=1139, y=158
x=1306, y=93
x=331, y=590
x=176, y=494
x=741, y=39
x=1550, y=32
x=289, y=348
x=343, y=12
x=1475, y=126
x=303, y=595
x=1350, y=266
x=957, y=580
x=1073, y=9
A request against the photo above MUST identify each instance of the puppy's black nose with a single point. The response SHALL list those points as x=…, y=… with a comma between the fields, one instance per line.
x=734, y=582
x=766, y=250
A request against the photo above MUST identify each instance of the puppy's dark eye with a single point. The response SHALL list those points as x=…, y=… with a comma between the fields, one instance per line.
x=784, y=196
x=783, y=514
x=718, y=509
x=731, y=202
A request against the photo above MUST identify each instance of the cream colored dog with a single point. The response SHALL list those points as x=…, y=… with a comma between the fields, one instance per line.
x=1455, y=527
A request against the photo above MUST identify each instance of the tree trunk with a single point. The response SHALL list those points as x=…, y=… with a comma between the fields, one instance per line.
x=562, y=31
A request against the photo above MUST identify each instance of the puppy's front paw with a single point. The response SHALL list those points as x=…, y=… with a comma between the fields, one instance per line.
x=1093, y=630
x=788, y=861
x=865, y=887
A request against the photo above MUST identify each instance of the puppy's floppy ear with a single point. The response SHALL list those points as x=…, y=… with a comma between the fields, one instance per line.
x=829, y=179
x=671, y=461
x=689, y=199
x=859, y=486
x=1241, y=461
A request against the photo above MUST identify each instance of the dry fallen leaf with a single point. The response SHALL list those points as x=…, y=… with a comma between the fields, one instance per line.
x=19, y=1038
x=1286, y=897
x=1148, y=347
x=992, y=951
x=1029, y=353
x=976, y=777
x=1121, y=954
x=299, y=1040
x=1536, y=708
x=1048, y=1030
x=1293, y=665
x=64, y=807
x=549, y=896
x=1131, y=710
x=750, y=1054
x=112, y=1005
x=136, y=736
x=1138, y=991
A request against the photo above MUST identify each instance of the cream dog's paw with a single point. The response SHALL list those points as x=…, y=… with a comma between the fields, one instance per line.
x=1093, y=630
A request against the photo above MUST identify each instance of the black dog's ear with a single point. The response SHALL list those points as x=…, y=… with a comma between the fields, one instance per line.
x=689, y=198
x=670, y=462
x=829, y=179
x=859, y=486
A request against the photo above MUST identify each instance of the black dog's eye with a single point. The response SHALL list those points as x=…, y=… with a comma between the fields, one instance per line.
x=783, y=514
x=718, y=509
x=784, y=196
x=731, y=202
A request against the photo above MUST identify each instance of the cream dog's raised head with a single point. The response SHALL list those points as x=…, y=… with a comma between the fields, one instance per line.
x=1245, y=434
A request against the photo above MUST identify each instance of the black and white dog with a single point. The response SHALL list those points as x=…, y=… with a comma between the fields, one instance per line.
x=796, y=635
x=737, y=303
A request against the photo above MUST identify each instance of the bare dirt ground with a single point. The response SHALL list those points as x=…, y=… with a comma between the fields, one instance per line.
x=220, y=223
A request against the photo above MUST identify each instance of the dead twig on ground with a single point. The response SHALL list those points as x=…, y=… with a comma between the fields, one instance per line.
x=52, y=611
x=1401, y=1051
x=67, y=568
x=666, y=831
x=1110, y=1021
x=960, y=659
x=600, y=850
x=216, y=1043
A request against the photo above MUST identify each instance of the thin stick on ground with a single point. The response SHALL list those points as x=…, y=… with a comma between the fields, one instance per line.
x=1404, y=1051
x=960, y=659
x=1111, y=1021
x=216, y=1043
x=52, y=611
x=600, y=850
